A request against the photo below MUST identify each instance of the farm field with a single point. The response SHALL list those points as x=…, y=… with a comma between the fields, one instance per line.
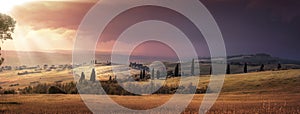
x=273, y=92
x=266, y=81
x=226, y=103
x=149, y=57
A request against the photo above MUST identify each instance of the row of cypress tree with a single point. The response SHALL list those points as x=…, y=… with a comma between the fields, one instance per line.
x=92, y=77
x=262, y=68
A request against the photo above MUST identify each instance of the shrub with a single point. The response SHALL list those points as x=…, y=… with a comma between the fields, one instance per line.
x=109, y=87
x=55, y=90
x=11, y=91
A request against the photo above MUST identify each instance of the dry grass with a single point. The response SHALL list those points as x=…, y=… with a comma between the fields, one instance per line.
x=285, y=81
x=43, y=104
x=270, y=92
x=11, y=77
x=227, y=103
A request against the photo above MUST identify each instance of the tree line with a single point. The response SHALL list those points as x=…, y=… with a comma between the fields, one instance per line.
x=245, y=68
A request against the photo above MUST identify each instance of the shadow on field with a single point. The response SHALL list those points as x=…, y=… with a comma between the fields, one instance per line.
x=10, y=103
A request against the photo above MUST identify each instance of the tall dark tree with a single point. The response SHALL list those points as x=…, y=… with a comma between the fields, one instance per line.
x=141, y=74
x=82, y=77
x=144, y=74
x=157, y=74
x=246, y=68
x=7, y=26
x=210, y=70
x=110, y=78
x=193, y=68
x=152, y=74
x=262, y=67
x=93, y=76
x=279, y=66
x=228, y=69
x=176, y=71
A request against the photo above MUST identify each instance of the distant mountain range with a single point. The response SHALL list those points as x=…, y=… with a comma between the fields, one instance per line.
x=260, y=58
x=14, y=58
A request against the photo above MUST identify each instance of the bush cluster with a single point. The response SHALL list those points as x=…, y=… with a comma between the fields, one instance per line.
x=109, y=88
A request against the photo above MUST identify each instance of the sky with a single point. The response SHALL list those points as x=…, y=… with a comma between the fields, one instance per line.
x=248, y=26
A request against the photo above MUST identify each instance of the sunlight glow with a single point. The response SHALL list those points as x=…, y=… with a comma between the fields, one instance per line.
x=7, y=5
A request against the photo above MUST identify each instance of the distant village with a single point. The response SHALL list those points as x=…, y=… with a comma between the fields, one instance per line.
x=145, y=71
x=24, y=70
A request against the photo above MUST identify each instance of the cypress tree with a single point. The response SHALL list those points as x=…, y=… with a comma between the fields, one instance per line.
x=110, y=78
x=245, y=68
x=82, y=77
x=193, y=68
x=262, y=67
x=144, y=73
x=141, y=74
x=176, y=70
x=93, y=76
x=228, y=69
x=279, y=66
x=157, y=74
x=152, y=74
x=210, y=70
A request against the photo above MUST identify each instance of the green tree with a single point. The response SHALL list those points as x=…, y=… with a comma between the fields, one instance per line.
x=7, y=26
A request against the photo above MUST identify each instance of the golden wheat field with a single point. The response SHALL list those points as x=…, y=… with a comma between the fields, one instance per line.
x=226, y=103
x=270, y=92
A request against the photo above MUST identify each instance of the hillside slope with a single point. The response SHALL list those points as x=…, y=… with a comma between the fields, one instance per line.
x=284, y=81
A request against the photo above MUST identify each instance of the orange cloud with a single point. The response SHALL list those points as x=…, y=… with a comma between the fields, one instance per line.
x=51, y=15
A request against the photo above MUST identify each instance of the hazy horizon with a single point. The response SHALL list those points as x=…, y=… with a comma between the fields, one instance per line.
x=248, y=27
x=33, y=58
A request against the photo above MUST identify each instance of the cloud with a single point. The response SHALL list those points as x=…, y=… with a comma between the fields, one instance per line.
x=148, y=48
x=287, y=10
x=51, y=15
x=28, y=39
x=47, y=25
